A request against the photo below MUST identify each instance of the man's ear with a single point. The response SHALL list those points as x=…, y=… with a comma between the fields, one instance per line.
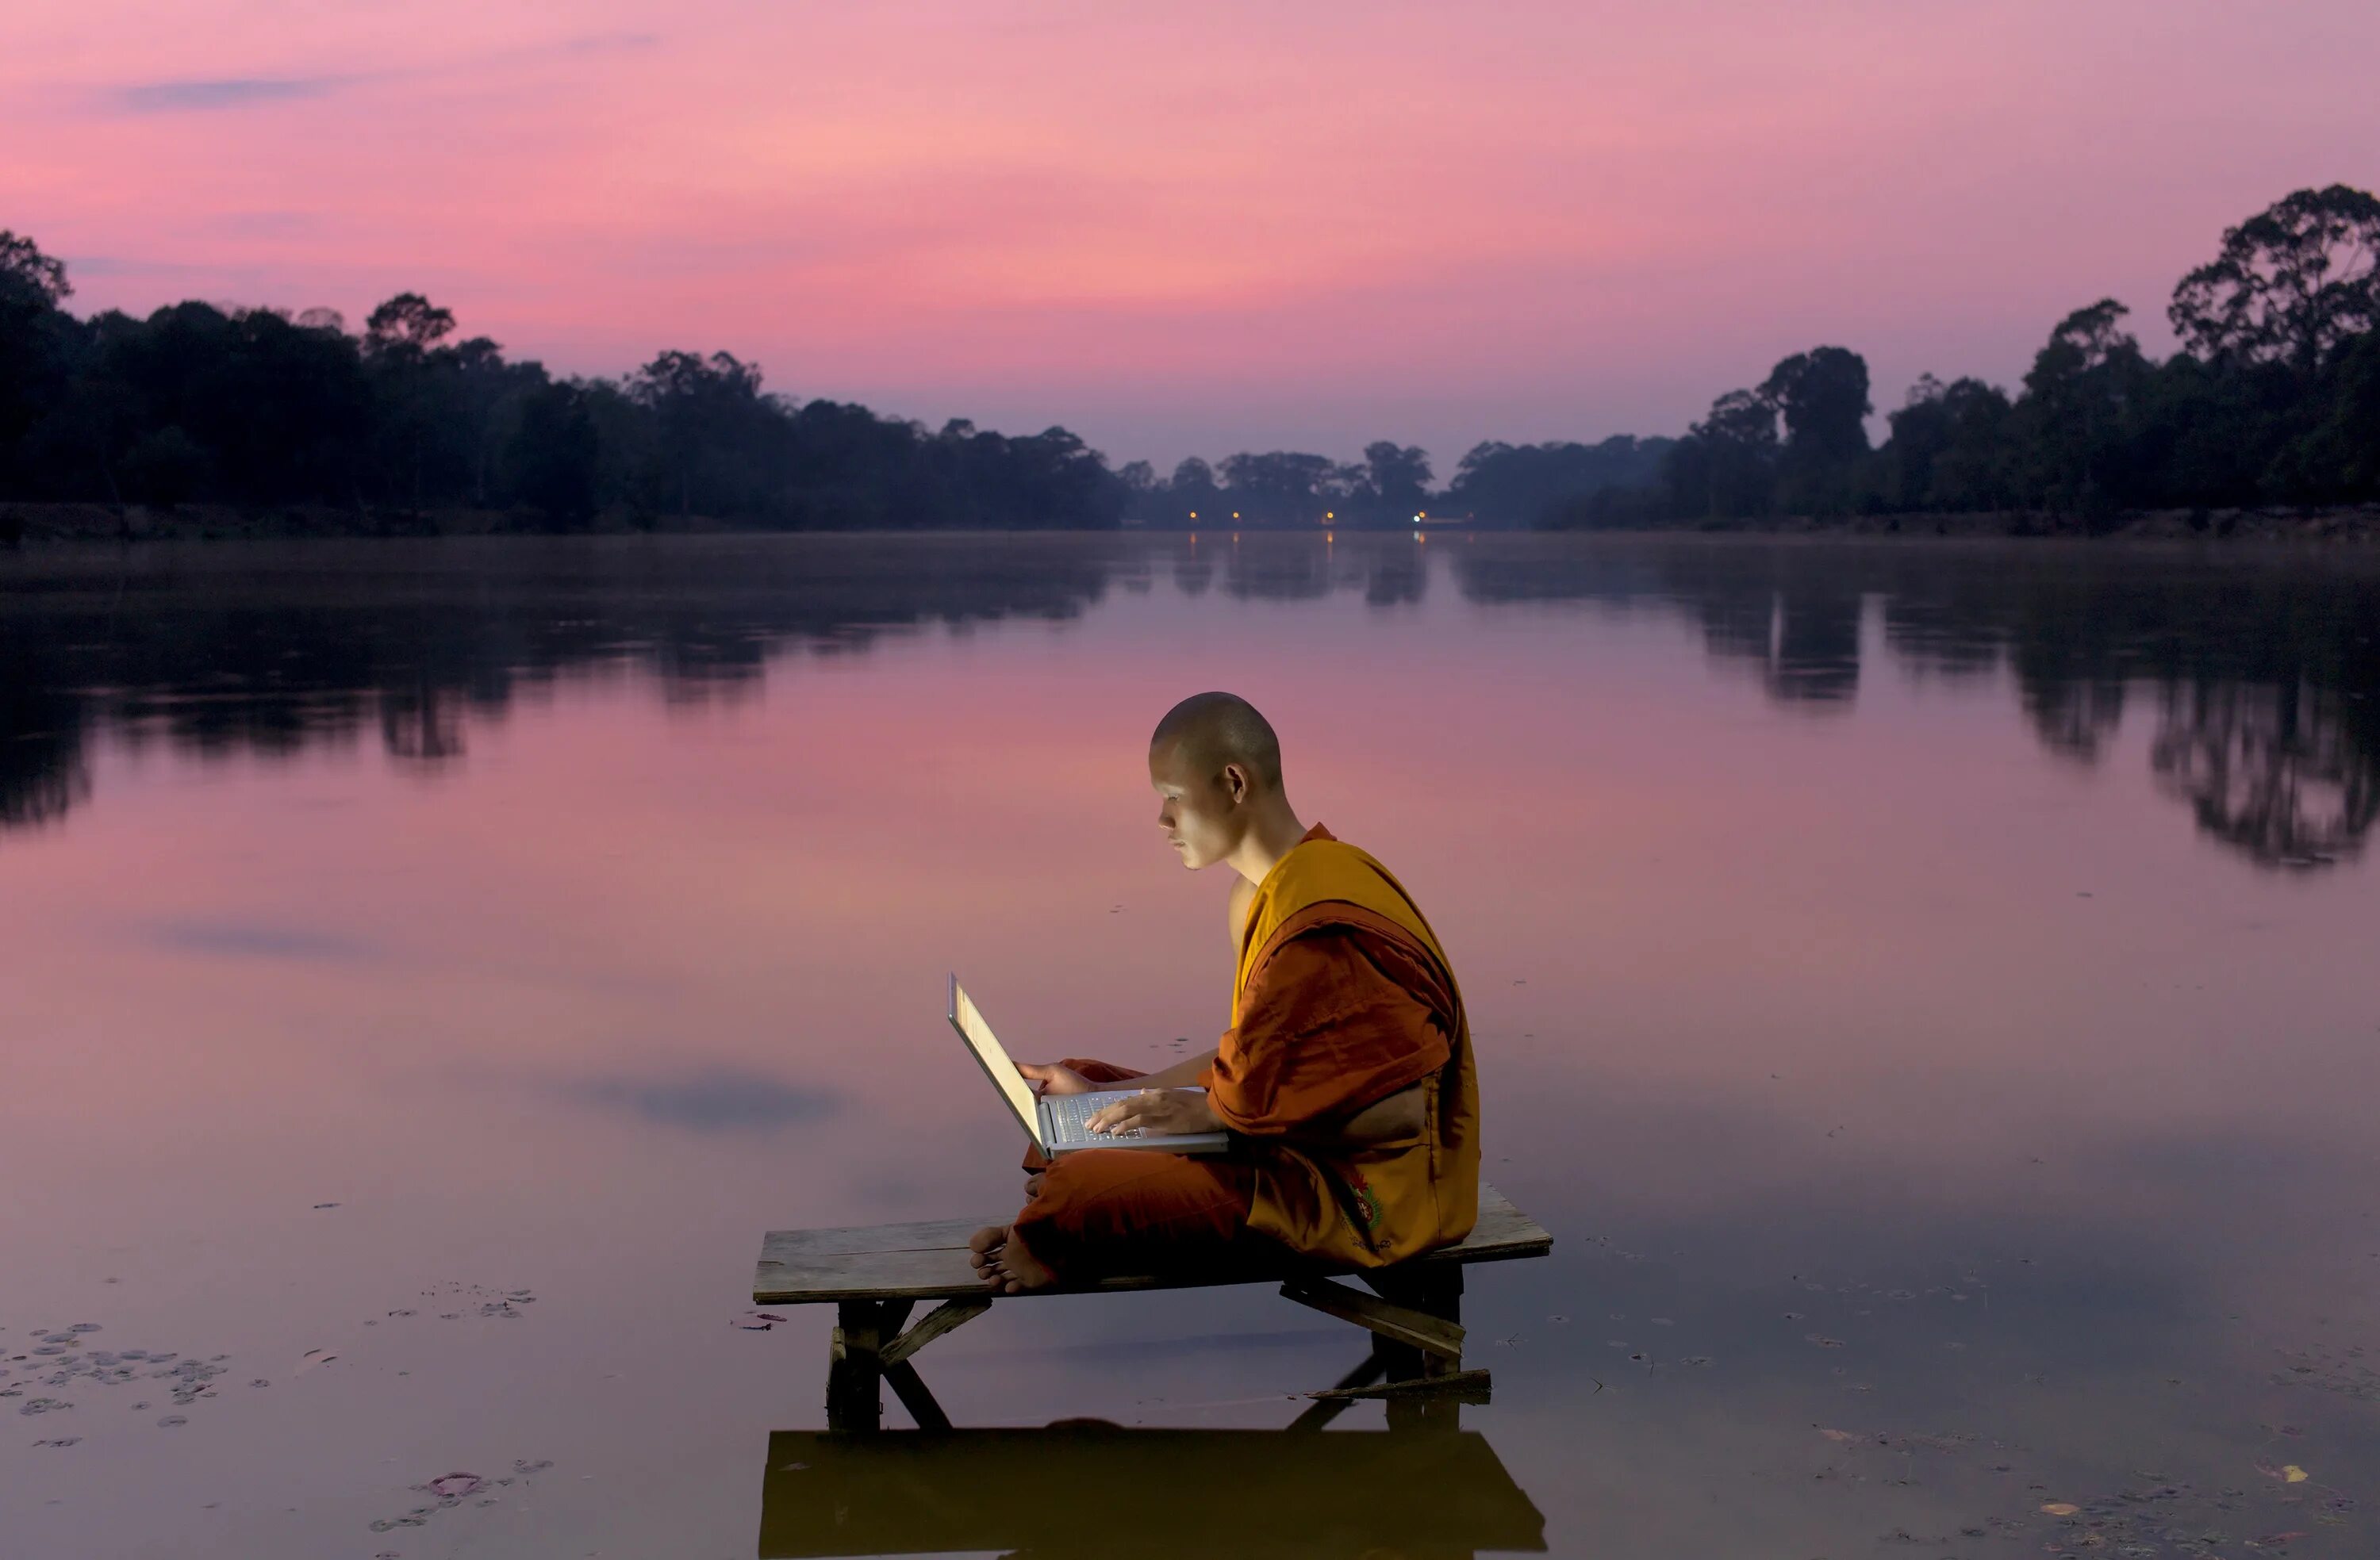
x=1236, y=783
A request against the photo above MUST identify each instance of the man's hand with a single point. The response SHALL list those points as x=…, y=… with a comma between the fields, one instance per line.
x=1048, y=1078
x=1158, y=1112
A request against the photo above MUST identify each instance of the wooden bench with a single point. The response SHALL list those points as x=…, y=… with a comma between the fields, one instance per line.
x=875, y=1276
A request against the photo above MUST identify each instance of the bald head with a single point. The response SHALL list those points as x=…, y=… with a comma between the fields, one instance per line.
x=1208, y=731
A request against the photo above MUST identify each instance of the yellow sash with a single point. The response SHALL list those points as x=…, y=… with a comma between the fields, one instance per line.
x=1381, y=1204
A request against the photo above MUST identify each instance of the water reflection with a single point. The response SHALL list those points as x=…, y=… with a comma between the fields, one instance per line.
x=1086, y=1487
x=2263, y=670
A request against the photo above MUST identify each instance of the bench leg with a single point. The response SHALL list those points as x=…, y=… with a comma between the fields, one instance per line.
x=1437, y=1290
x=855, y=1396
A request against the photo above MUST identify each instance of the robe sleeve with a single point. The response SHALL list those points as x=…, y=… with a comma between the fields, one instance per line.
x=1324, y=1031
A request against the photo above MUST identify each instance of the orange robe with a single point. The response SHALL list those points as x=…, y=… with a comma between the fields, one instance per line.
x=1342, y=998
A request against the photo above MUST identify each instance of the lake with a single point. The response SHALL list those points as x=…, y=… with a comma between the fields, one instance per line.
x=1928, y=988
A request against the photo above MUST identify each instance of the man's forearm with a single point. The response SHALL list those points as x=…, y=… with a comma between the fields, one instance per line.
x=1181, y=1075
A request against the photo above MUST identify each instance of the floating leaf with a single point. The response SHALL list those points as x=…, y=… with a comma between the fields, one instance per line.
x=1838, y=1434
x=2291, y=1473
x=2061, y=1508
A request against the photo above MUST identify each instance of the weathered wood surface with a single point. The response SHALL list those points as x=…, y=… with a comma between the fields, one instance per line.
x=1417, y=1329
x=933, y=1325
x=928, y=1261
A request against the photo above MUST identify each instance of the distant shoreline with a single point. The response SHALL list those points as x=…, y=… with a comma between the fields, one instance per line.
x=46, y=523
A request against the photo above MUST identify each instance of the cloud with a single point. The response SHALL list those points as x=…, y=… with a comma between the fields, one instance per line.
x=253, y=939
x=176, y=97
x=709, y=1099
x=214, y=94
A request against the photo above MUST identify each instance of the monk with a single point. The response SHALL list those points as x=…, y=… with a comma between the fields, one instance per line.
x=1345, y=1079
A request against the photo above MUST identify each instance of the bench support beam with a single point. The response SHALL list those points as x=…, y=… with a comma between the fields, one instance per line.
x=1413, y=1327
x=943, y=1318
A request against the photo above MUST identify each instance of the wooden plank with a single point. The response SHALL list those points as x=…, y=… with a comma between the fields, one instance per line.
x=1473, y=1386
x=1416, y=1328
x=942, y=1319
x=928, y=1261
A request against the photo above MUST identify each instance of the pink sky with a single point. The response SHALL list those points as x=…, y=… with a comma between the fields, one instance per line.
x=1185, y=229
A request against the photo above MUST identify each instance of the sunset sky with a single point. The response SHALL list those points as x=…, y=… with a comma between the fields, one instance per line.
x=1188, y=229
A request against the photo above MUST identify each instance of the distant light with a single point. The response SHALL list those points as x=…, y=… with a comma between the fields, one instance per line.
x=1235, y=514
x=1330, y=514
x=1194, y=515
x=1416, y=519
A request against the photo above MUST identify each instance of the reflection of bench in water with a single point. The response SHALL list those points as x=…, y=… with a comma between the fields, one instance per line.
x=876, y=1277
x=1085, y=1488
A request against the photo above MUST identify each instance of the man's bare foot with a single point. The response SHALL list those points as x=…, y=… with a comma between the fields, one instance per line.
x=983, y=1248
x=1008, y=1268
x=1033, y=1185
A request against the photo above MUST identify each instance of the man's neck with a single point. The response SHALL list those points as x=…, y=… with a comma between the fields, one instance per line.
x=1273, y=834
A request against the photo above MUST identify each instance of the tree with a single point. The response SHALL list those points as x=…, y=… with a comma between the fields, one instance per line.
x=1947, y=448
x=33, y=340
x=553, y=456
x=2080, y=396
x=1284, y=487
x=1726, y=467
x=1396, y=480
x=1552, y=484
x=29, y=276
x=2291, y=285
x=408, y=324
x=1822, y=396
x=699, y=404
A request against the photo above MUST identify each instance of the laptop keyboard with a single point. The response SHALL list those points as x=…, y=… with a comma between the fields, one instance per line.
x=1068, y=1112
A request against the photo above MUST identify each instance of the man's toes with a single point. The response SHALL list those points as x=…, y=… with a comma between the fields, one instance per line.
x=988, y=1238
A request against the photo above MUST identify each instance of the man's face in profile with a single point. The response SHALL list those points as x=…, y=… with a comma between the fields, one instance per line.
x=1196, y=809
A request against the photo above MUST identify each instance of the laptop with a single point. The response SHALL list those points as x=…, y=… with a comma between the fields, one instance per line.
x=1054, y=1122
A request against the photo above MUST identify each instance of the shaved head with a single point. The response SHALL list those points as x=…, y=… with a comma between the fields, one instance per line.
x=1209, y=730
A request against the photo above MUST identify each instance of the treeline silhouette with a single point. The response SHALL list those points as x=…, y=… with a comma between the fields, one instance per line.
x=1501, y=483
x=2272, y=400
x=258, y=408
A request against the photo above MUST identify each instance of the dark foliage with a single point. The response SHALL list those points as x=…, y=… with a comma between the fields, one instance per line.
x=257, y=408
x=2275, y=400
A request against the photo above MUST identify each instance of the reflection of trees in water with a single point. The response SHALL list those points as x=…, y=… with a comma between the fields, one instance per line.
x=2274, y=771
x=1784, y=615
x=270, y=649
x=2268, y=666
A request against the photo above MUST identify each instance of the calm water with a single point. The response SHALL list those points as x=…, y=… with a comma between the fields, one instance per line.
x=1927, y=990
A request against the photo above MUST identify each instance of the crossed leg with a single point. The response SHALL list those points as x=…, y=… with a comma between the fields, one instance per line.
x=1104, y=1212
